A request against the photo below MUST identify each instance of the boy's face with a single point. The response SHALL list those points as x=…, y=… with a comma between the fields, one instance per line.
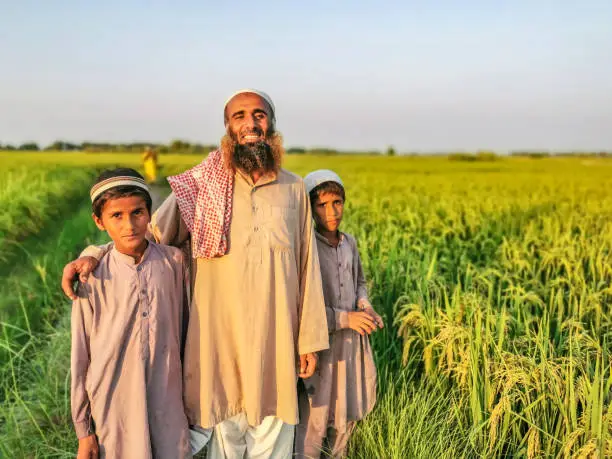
x=125, y=220
x=328, y=210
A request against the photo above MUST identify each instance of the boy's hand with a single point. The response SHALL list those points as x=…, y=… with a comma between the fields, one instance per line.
x=83, y=267
x=88, y=448
x=365, y=306
x=362, y=322
x=379, y=321
x=308, y=365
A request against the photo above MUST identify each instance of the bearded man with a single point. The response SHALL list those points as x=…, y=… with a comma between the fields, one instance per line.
x=257, y=315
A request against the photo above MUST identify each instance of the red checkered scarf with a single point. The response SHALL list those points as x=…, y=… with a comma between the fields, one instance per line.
x=204, y=197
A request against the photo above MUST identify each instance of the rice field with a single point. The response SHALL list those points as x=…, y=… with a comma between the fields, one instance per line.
x=495, y=280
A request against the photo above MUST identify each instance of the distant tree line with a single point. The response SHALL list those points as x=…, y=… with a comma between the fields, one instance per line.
x=492, y=156
x=545, y=154
x=183, y=147
x=176, y=146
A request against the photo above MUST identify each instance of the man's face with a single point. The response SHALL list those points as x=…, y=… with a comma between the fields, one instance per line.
x=328, y=210
x=249, y=119
x=125, y=220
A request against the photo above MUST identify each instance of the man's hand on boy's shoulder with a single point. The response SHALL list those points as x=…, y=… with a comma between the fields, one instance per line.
x=88, y=448
x=81, y=267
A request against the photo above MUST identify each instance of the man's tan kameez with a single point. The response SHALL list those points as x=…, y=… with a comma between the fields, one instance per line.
x=255, y=309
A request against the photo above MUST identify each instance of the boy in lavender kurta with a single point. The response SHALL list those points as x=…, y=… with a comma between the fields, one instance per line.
x=343, y=390
x=127, y=335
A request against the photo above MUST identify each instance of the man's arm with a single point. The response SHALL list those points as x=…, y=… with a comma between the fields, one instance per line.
x=166, y=227
x=313, y=329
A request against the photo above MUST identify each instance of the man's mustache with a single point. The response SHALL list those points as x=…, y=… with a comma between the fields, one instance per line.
x=255, y=131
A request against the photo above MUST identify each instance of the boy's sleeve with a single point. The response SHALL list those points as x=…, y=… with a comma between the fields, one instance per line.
x=362, y=287
x=81, y=320
x=336, y=320
x=313, y=332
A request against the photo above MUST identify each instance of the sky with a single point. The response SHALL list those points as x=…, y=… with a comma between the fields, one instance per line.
x=422, y=76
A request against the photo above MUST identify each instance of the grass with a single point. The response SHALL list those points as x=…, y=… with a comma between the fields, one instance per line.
x=29, y=294
x=32, y=197
x=35, y=345
x=35, y=415
x=495, y=283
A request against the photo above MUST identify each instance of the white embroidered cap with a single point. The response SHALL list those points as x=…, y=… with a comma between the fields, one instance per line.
x=113, y=182
x=261, y=94
x=315, y=178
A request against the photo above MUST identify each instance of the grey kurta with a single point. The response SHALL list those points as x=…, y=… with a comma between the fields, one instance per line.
x=254, y=310
x=127, y=334
x=344, y=387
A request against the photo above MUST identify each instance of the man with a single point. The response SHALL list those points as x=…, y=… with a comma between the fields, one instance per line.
x=256, y=295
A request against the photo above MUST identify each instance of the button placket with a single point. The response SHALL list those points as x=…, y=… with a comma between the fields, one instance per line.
x=255, y=246
x=339, y=274
x=144, y=312
x=257, y=217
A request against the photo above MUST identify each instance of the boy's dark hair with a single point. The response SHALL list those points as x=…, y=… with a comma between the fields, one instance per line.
x=326, y=187
x=122, y=191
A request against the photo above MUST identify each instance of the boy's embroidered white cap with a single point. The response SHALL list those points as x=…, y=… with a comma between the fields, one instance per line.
x=315, y=178
x=261, y=94
x=113, y=182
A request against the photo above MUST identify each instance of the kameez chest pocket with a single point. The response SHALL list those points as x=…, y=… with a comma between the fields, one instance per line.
x=281, y=227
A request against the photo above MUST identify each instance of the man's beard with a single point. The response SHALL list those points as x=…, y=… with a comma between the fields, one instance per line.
x=265, y=156
x=252, y=157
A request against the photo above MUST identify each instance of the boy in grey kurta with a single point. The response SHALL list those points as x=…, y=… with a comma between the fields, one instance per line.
x=127, y=335
x=344, y=388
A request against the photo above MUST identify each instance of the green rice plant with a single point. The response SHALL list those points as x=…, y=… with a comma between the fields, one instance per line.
x=30, y=297
x=32, y=198
x=495, y=283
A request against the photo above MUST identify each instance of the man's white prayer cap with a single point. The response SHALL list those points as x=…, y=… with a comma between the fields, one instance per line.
x=315, y=178
x=261, y=94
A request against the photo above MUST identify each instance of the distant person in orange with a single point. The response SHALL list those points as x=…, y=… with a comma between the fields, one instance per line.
x=149, y=158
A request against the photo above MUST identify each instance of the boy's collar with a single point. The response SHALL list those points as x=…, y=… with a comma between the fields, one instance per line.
x=128, y=259
x=322, y=238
